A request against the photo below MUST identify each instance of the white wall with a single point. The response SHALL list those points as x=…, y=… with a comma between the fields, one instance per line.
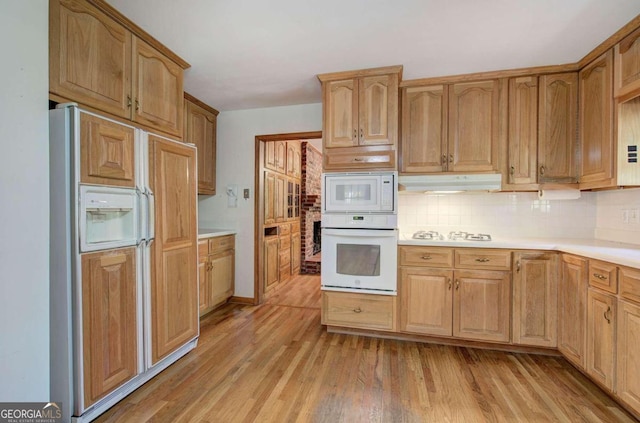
x=499, y=214
x=24, y=214
x=235, y=166
x=611, y=224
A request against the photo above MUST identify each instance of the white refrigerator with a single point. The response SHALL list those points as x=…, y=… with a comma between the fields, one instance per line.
x=123, y=258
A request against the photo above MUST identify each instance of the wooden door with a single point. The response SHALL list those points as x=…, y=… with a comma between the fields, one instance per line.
x=204, y=276
x=271, y=261
x=340, y=105
x=106, y=152
x=596, y=119
x=627, y=384
x=558, y=128
x=201, y=131
x=158, y=90
x=481, y=305
x=269, y=198
x=280, y=198
x=572, y=297
x=222, y=277
x=89, y=57
x=424, y=129
x=109, y=321
x=426, y=301
x=378, y=110
x=522, y=143
x=535, y=299
x=476, y=114
x=601, y=327
x=627, y=64
x=174, y=261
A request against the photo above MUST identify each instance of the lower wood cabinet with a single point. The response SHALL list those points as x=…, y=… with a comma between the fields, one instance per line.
x=572, y=297
x=426, y=301
x=601, y=329
x=362, y=311
x=271, y=261
x=627, y=383
x=535, y=298
x=216, y=271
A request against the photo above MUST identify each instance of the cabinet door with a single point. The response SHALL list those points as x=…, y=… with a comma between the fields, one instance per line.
x=628, y=354
x=280, y=199
x=476, y=120
x=601, y=326
x=174, y=284
x=340, y=113
x=558, y=128
x=270, y=155
x=596, y=116
x=201, y=131
x=89, y=57
x=572, y=297
x=627, y=66
x=281, y=156
x=106, y=152
x=535, y=299
x=271, y=261
x=297, y=160
x=269, y=198
x=523, y=131
x=378, y=110
x=295, y=253
x=426, y=301
x=203, y=276
x=222, y=277
x=158, y=90
x=109, y=322
x=290, y=158
x=424, y=129
x=481, y=305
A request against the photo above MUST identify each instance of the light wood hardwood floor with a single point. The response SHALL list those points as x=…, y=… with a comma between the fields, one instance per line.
x=276, y=363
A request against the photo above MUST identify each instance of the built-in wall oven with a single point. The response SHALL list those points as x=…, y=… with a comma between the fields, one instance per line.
x=359, y=232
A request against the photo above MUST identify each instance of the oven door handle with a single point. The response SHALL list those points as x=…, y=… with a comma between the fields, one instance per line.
x=361, y=233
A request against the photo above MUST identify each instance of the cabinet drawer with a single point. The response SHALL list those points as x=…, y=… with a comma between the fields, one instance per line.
x=364, y=311
x=483, y=259
x=285, y=229
x=603, y=275
x=426, y=256
x=203, y=248
x=630, y=284
x=221, y=243
x=372, y=157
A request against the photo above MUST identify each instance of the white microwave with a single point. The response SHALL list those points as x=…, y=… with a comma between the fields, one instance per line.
x=360, y=192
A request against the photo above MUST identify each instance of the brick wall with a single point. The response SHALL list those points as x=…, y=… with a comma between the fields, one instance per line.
x=310, y=207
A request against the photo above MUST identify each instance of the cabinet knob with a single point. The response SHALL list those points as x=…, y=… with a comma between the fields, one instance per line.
x=449, y=281
x=357, y=310
x=426, y=257
x=358, y=159
x=482, y=260
x=450, y=158
x=518, y=266
x=361, y=133
x=128, y=101
x=457, y=284
x=512, y=170
x=542, y=170
x=355, y=133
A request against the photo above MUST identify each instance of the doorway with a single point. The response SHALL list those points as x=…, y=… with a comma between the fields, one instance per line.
x=277, y=208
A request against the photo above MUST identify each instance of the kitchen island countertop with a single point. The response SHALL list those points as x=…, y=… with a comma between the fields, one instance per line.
x=613, y=252
x=210, y=232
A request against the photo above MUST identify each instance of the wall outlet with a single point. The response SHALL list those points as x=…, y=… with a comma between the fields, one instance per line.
x=246, y=193
x=633, y=216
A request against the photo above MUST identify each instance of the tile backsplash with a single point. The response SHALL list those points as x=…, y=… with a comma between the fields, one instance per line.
x=618, y=216
x=519, y=214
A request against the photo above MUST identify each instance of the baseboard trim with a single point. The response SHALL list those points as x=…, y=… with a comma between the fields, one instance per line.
x=242, y=300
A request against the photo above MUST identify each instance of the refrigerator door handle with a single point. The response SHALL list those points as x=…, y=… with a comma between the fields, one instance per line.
x=151, y=216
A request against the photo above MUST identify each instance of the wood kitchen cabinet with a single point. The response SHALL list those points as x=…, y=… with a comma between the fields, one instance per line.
x=106, y=152
x=627, y=65
x=426, y=301
x=217, y=271
x=601, y=329
x=360, y=110
x=572, y=298
x=294, y=159
x=535, y=298
x=284, y=252
x=275, y=156
x=627, y=383
x=522, y=142
x=110, y=346
x=97, y=61
x=362, y=311
x=200, y=129
x=295, y=248
x=280, y=198
x=174, y=287
x=269, y=198
x=596, y=123
x=271, y=261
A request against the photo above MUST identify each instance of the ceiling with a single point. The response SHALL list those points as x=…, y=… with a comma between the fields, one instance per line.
x=253, y=53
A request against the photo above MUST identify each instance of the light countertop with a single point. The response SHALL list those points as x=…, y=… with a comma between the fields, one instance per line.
x=613, y=252
x=210, y=232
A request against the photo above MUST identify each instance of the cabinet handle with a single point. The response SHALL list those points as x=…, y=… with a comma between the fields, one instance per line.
x=457, y=284
x=358, y=159
x=443, y=161
x=518, y=266
x=357, y=310
x=137, y=105
x=450, y=158
x=355, y=133
x=128, y=101
x=542, y=170
x=482, y=260
x=449, y=281
x=607, y=315
x=426, y=257
x=512, y=170
x=361, y=133
x=599, y=276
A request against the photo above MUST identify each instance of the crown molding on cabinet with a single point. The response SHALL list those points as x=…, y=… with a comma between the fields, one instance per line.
x=333, y=76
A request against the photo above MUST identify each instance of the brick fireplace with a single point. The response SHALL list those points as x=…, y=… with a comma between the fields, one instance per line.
x=310, y=207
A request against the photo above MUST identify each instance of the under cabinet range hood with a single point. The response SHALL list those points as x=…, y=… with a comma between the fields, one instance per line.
x=451, y=183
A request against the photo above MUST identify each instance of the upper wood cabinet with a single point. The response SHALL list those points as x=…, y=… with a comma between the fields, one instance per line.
x=596, y=120
x=523, y=131
x=627, y=64
x=558, y=128
x=95, y=60
x=294, y=159
x=572, y=298
x=477, y=114
x=200, y=129
x=360, y=110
